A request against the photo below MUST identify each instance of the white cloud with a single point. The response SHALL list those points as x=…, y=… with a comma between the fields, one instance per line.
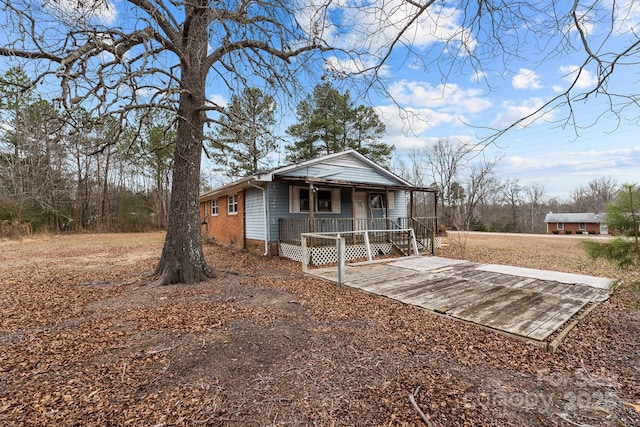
x=106, y=57
x=586, y=17
x=450, y=98
x=523, y=163
x=412, y=121
x=628, y=15
x=217, y=99
x=478, y=76
x=411, y=128
x=526, y=79
x=353, y=66
x=406, y=143
x=103, y=12
x=363, y=26
x=513, y=112
x=583, y=78
x=562, y=170
x=425, y=107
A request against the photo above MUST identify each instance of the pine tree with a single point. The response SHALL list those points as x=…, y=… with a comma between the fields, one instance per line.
x=244, y=139
x=329, y=122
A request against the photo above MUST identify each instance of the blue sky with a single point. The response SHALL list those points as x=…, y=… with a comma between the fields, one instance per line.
x=434, y=92
x=564, y=148
x=549, y=151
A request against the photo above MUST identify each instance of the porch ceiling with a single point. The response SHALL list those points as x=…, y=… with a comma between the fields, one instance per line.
x=352, y=184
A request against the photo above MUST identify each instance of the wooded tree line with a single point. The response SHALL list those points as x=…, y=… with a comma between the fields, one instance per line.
x=474, y=197
x=62, y=172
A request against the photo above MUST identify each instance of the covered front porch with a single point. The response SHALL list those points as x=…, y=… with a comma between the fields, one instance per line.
x=363, y=237
x=379, y=219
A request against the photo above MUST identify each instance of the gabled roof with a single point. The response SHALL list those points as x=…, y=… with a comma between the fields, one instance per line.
x=321, y=169
x=575, y=217
x=334, y=159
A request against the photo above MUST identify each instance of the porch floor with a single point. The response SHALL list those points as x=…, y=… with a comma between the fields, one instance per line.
x=525, y=303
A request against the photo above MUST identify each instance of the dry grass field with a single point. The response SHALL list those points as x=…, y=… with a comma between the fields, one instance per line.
x=546, y=252
x=86, y=340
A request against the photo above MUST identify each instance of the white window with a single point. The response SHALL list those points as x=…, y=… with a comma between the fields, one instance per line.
x=582, y=226
x=214, y=207
x=232, y=204
x=376, y=201
x=380, y=201
x=325, y=200
x=560, y=226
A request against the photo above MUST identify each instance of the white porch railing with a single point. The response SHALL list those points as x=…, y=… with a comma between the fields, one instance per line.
x=341, y=246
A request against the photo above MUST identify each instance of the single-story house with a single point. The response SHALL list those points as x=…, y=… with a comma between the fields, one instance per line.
x=576, y=223
x=342, y=192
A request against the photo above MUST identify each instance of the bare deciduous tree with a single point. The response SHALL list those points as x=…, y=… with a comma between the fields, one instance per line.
x=512, y=195
x=595, y=195
x=446, y=158
x=480, y=183
x=535, y=198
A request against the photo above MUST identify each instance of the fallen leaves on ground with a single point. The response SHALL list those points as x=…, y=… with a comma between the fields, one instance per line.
x=84, y=340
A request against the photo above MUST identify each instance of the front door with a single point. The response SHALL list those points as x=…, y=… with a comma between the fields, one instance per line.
x=361, y=211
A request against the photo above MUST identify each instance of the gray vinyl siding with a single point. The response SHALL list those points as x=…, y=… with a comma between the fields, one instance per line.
x=346, y=169
x=399, y=205
x=254, y=214
x=278, y=196
x=278, y=202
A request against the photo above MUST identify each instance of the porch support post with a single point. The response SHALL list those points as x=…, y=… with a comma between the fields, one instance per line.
x=435, y=208
x=435, y=204
x=411, y=204
x=388, y=196
x=386, y=209
x=312, y=204
x=353, y=210
x=435, y=227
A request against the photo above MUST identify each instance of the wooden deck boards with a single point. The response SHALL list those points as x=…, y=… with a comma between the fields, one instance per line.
x=527, y=307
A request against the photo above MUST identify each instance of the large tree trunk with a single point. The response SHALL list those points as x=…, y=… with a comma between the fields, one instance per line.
x=182, y=259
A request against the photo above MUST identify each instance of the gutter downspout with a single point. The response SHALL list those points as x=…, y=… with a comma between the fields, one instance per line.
x=265, y=219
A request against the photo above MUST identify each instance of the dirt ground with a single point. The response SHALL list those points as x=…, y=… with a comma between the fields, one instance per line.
x=85, y=340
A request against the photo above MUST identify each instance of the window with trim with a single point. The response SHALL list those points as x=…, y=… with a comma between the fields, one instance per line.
x=214, y=207
x=582, y=226
x=560, y=226
x=303, y=200
x=232, y=204
x=325, y=200
x=378, y=201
